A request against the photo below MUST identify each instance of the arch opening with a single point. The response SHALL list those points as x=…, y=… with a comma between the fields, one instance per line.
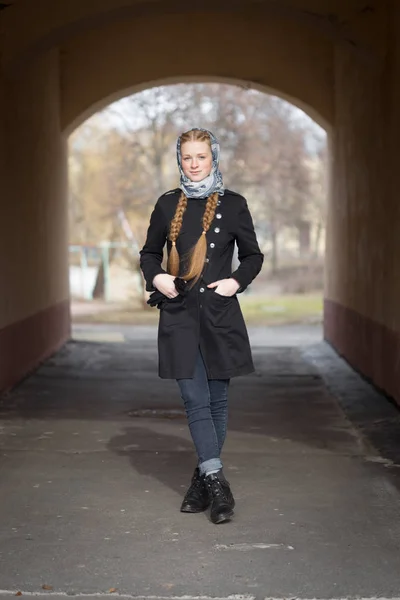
x=102, y=103
x=300, y=238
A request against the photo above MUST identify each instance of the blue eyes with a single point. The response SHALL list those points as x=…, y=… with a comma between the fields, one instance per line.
x=188, y=157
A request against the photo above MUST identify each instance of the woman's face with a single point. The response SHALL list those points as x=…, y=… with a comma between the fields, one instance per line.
x=196, y=160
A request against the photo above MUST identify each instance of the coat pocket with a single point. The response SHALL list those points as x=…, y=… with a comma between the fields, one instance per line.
x=220, y=309
x=223, y=300
x=172, y=311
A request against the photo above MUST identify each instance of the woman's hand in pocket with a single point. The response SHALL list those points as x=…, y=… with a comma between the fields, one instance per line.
x=225, y=287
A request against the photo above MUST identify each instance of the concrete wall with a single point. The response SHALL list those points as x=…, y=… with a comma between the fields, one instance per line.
x=266, y=50
x=362, y=307
x=60, y=63
x=392, y=238
x=33, y=226
x=4, y=195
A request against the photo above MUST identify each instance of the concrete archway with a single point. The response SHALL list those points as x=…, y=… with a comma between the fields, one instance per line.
x=341, y=60
x=104, y=102
x=136, y=53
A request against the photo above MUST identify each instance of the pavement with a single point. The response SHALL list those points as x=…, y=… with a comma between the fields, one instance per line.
x=95, y=458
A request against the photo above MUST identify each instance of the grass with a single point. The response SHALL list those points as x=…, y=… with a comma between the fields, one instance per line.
x=274, y=310
x=257, y=310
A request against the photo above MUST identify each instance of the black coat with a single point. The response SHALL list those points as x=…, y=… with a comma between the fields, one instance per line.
x=199, y=317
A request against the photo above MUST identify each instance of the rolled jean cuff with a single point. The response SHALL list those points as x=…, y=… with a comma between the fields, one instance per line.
x=213, y=464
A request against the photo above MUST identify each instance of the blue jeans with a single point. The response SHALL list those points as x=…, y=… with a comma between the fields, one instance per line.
x=206, y=405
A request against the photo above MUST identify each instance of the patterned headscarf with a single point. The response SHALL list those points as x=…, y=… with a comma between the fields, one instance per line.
x=210, y=184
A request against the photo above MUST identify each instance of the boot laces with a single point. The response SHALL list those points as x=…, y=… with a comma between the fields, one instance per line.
x=196, y=484
x=216, y=488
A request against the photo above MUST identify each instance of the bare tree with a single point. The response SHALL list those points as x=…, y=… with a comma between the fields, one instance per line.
x=265, y=155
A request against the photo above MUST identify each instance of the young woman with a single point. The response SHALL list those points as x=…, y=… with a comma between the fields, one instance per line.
x=202, y=337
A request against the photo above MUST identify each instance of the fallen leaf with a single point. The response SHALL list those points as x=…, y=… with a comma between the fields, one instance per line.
x=18, y=594
x=112, y=590
x=47, y=587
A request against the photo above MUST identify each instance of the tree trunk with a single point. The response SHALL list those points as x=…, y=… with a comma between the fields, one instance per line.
x=99, y=286
x=304, y=231
x=274, y=251
x=98, y=290
x=318, y=239
x=134, y=264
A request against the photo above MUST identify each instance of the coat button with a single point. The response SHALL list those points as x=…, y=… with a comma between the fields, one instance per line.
x=212, y=245
x=219, y=216
x=201, y=290
x=207, y=260
x=217, y=230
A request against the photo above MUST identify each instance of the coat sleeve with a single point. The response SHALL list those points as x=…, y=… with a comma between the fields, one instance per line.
x=152, y=253
x=249, y=254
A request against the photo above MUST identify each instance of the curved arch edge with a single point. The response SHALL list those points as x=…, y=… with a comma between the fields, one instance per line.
x=248, y=85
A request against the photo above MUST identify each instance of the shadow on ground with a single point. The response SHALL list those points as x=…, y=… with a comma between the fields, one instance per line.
x=96, y=456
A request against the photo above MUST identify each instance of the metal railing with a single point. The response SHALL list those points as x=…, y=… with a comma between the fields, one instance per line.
x=87, y=260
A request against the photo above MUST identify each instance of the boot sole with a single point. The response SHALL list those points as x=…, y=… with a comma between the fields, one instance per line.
x=223, y=517
x=192, y=510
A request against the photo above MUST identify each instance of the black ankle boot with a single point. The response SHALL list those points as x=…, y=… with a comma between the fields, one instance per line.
x=221, y=498
x=196, y=498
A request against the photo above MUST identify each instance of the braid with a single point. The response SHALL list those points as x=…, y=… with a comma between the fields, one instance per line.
x=175, y=228
x=197, y=256
x=210, y=211
x=199, y=252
